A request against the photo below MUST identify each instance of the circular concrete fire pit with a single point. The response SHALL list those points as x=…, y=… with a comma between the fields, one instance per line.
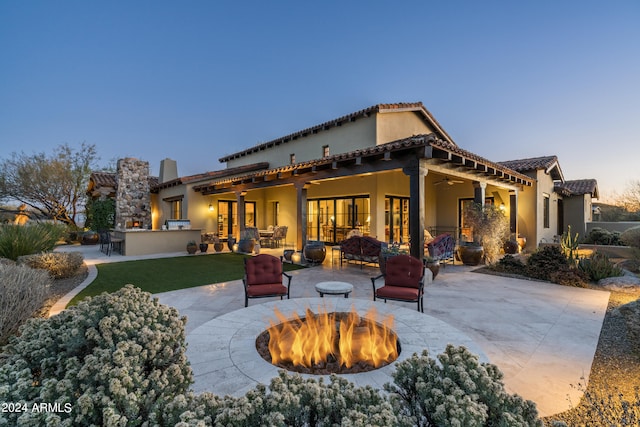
x=224, y=359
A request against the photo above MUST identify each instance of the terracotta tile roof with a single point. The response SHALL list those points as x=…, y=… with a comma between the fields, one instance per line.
x=378, y=108
x=219, y=174
x=534, y=163
x=467, y=158
x=579, y=187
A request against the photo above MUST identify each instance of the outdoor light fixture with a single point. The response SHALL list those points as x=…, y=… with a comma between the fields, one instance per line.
x=210, y=207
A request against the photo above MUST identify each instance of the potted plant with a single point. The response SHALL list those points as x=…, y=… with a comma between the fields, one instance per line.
x=432, y=264
x=387, y=252
x=490, y=228
x=191, y=247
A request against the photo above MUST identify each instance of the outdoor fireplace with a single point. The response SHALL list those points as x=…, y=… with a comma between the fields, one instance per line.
x=329, y=342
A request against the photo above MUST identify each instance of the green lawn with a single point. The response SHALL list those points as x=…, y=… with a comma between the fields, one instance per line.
x=168, y=274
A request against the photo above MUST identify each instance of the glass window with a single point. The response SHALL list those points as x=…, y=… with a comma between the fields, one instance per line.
x=325, y=151
x=545, y=207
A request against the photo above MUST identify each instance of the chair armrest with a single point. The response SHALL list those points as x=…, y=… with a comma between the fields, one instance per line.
x=373, y=281
x=289, y=277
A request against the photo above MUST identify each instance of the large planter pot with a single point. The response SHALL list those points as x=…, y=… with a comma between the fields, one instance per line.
x=246, y=245
x=287, y=253
x=522, y=242
x=434, y=266
x=470, y=254
x=510, y=247
x=230, y=242
x=218, y=246
x=314, y=252
x=191, y=249
x=204, y=247
x=90, y=238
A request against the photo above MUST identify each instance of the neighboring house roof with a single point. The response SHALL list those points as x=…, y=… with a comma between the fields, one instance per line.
x=435, y=149
x=418, y=107
x=547, y=163
x=579, y=187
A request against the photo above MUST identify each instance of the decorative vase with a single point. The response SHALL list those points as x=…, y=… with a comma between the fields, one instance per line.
x=287, y=254
x=90, y=238
x=522, y=242
x=510, y=247
x=218, y=246
x=246, y=245
x=470, y=254
x=192, y=248
x=314, y=252
x=230, y=242
x=434, y=266
x=204, y=247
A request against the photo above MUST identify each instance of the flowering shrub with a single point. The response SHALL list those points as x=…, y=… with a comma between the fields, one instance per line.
x=23, y=291
x=59, y=264
x=112, y=360
x=459, y=391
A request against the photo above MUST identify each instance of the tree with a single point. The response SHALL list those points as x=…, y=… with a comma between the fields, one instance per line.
x=630, y=198
x=52, y=186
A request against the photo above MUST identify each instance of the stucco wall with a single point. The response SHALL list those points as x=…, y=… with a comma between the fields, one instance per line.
x=393, y=126
x=341, y=139
x=577, y=210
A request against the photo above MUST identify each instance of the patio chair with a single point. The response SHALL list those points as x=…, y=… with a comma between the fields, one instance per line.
x=109, y=243
x=279, y=234
x=264, y=277
x=403, y=281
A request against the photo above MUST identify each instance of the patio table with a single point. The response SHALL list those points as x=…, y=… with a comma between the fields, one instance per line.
x=334, y=288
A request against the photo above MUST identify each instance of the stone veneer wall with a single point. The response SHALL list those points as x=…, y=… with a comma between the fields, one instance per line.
x=133, y=197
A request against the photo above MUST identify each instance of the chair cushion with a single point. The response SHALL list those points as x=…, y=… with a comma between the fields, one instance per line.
x=403, y=271
x=266, y=289
x=351, y=245
x=397, y=292
x=263, y=269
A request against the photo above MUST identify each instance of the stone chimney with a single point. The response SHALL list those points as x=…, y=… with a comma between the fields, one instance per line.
x=133, y=196
x=168, y=170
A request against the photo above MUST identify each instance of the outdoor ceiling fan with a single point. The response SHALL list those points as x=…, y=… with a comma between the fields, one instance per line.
x=448, y=181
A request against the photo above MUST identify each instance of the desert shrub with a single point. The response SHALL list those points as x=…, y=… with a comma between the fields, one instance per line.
x=631, y=237
x=602, y=406
x=598, y=236
x=23, y=291
x=544, y=261
x=59, y=264
x=569, y=277
x=597, y=266
x=457, y=391
x=32, y=238
x=509, y=264
x=112, y=360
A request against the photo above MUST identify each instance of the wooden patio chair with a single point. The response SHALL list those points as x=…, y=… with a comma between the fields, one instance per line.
x=403, y=281
x=263, y=278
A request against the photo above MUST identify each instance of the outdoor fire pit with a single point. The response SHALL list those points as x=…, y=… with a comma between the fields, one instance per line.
x=329, y=342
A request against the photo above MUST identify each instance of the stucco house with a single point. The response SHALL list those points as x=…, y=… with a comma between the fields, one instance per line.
x=389, y=171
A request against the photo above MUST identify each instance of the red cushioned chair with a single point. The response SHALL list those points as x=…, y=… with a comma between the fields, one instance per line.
x=403, y=281
x=263, y=277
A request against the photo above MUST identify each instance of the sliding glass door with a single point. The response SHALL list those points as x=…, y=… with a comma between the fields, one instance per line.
x=330, y=220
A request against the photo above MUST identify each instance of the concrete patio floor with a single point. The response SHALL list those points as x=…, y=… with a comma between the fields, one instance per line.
x=542, y=336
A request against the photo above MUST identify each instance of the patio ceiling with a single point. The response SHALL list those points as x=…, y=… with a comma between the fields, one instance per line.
x=440, y=156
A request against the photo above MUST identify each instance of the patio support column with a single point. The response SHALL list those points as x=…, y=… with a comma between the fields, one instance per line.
x=479, y=191
x=241, y=212
x=417, y=172
x=301, y=215
x=513, y=212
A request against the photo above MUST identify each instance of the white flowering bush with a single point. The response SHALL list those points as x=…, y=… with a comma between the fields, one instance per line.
x=113, y=360
x=290, y=400
x=457, y=391
x=23, y=291
x=59, y=264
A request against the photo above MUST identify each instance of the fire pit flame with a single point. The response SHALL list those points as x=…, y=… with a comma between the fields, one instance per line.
x=343, y=337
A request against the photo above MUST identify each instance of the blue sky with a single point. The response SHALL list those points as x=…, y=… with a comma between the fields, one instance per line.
x=196, y=80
